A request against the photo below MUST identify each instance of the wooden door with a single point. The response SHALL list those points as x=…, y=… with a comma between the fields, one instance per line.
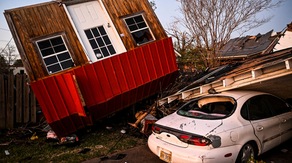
x=96, y=31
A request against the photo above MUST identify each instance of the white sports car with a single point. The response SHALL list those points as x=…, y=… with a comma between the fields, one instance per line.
x=231, y=126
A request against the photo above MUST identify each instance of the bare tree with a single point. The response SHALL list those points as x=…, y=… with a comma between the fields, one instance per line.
x=7, y=58
x=211, y=22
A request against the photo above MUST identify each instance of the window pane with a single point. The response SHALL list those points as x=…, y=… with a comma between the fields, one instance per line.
x=95, y=32
x=101, y=30
x=278, y=105
x=88, y=34
x=93, y=44
x=139, y=19
x=54, y=68
x=142, y=25
x=56, y=41
x=98, y=54
x=133, y=27
x=63, y=56
x=258, y=109
x=142, y=36
x=106, y=40
x=60, y=48
x=50, y=60
x=47, y=52
x=130, y=21
x=67, y=64
x=44, y=44
x=100, y=42
x=104, y=52
x=111, y=49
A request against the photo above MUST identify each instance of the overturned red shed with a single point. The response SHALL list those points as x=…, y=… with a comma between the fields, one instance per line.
x=102, y=55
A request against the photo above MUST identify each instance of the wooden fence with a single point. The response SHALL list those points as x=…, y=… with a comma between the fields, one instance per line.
x=17, y=101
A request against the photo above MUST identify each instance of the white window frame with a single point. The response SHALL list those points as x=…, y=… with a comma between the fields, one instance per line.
x=40, y=56
x=147, y=27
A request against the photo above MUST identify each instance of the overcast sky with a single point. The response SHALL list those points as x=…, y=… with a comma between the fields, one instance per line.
x=166, y=10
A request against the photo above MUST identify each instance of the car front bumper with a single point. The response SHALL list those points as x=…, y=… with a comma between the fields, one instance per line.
x=191, y=154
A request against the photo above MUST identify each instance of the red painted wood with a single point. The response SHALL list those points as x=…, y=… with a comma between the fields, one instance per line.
x=103, y=79
x=107, y=86
x=41, y=101
x=149, y=62
x=163, y=57
x=125, y=65
x=133, y=63
x=120, y=74
x=84, y=85
x=156, y=60
x=111, y=75
x=94, y=85
x=142, y=65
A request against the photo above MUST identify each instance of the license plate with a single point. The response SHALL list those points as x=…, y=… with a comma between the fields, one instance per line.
x=165, y=156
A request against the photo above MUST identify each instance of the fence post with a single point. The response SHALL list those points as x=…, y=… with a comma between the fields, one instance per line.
x=18, y=98
x=25, y=99
x=10, y=102
x=2, y=103
x=33, y=106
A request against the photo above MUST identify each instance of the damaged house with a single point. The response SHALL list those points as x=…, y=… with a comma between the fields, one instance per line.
x=87, y=59
x=260, y=63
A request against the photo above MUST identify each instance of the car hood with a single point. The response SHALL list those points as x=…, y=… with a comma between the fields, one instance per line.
x=192, y=125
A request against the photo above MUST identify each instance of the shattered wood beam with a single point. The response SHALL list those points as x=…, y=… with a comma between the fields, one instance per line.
x=186, y=94
x=256, y=73
x=163, y=101
x=228, y=81
x=172, y=98
x=288, y=64
x=204, y=88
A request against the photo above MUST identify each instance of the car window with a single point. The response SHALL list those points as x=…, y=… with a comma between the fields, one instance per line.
x=244, y=112
x=277, y=104
x=257, y=108
x=208, y=108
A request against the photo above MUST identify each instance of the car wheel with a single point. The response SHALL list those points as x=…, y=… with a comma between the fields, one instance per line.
x=246, y=152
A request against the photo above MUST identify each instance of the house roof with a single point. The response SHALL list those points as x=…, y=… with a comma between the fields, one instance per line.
x=268, y=72
x=286, y=39
x=249, y=45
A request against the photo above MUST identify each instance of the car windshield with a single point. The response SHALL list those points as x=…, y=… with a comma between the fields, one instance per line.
x=208, y=108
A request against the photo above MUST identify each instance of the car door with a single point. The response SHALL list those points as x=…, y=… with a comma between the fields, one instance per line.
x=266, y=125
x=283, y=112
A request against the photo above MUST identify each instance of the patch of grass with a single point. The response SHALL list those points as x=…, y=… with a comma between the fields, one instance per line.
x=98, y=140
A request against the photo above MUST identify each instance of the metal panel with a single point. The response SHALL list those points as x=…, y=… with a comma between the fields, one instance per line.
x=107, y=86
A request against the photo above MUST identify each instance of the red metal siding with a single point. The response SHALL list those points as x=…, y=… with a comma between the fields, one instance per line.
x=107, y=86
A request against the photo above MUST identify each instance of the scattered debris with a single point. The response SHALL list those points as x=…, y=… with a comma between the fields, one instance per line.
x=72, y=138
x=147, y=123
x=109, y=128
x=34, y=137
x=284, y=150
x=51, y=135
x=7, y=153
x=3, y=144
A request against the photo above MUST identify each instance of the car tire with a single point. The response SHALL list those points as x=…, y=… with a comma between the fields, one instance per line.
x=247, y=151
